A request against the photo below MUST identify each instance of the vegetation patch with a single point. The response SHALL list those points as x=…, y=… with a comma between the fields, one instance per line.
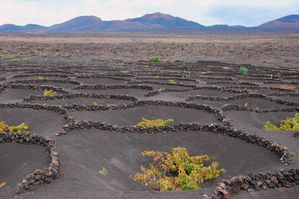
x=289, y=124
x=41, y=78
x=172, y=81
x=49, y=93
x=246, y=105
x=177, y=171
x=95, y=104
x=155, y=59
x=243, y=70
x=154, y=123
x=21, y=128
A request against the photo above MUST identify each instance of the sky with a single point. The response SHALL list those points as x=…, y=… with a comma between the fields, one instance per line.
x=206, y=12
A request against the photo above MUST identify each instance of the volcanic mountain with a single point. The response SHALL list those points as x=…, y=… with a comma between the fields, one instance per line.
x=290, y=22
x=156, y=22
x=7, y=28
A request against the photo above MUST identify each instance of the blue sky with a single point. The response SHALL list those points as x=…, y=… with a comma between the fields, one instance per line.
x=206, y=12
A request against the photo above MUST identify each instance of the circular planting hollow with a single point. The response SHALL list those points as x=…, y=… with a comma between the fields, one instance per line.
x=122, y=91
x=247, y=101
x=84, y=100
x=103, y=160
x=18, y=160
x=131, y=116
x=11, y=95
x=101, y=80
x=253, y=123
x=40, y=122
x=27, y=162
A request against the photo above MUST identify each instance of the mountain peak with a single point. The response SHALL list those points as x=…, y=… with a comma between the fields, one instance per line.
x=290, y=22
x=86, y=18
x=289, y=18
x=157, y=15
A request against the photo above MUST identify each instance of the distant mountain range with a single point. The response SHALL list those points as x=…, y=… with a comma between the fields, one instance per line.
x=150, y=22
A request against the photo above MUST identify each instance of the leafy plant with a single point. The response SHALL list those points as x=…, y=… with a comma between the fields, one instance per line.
x=154, y=123
x=243, y=70
x=111, y=105
x=155, y=59
x=177, y=170
x=172, y=81
x=246, y=104
x=13, y=58
x=41, y=78
x=49, y=93
x=21, y=128
x=95, y=104
x=103, y=171
x=289, y=124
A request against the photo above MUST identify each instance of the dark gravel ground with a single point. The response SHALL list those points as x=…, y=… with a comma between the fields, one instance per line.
x=84, y=152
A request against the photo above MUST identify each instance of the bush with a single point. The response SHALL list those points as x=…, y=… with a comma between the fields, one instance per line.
x=95, y=104
x=246, y=105
x=289, y=124
x=111, y=105
x=155, y=59
x=176, y=171
x=243, y=70
x=171, y=81
x=22, y=128
x=41, y=78
x=154, y=123
x=49, y=93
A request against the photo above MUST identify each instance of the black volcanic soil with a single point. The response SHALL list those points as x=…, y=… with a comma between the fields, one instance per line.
x=253, y=123
x=119, y=64
x=254, y=103
x=85, y=152
x=101, y=80
x=122, y=91
x=134, y=115
x=17, y=95
x=279, y=193
x=17, y=160
x=87, y=101
x=41, y=122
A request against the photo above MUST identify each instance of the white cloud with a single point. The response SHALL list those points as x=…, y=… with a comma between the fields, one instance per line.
x=244, y=12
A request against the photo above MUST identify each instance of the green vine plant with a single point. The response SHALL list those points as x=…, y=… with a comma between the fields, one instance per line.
x=154, y=123
x=13, y=129
x=49, y=93
x=289, y=124
x=155, y=59
x=95, y=104
x=246, y=105
x=177, y=171
x=41, y=78
x=111, y=105
x=172, y=81
x=243, y=70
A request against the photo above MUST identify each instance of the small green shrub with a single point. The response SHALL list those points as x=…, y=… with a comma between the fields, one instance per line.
x=111, y=105
x=246, y=104
x=289, y=124
x=154, y=123
x=103, y=171
x=172, y=81
x=177, y=170
x=95, y=104
x=41, y=78
x=21, y=128
x=155, y=59
x=243, y=70
x=49, y=93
